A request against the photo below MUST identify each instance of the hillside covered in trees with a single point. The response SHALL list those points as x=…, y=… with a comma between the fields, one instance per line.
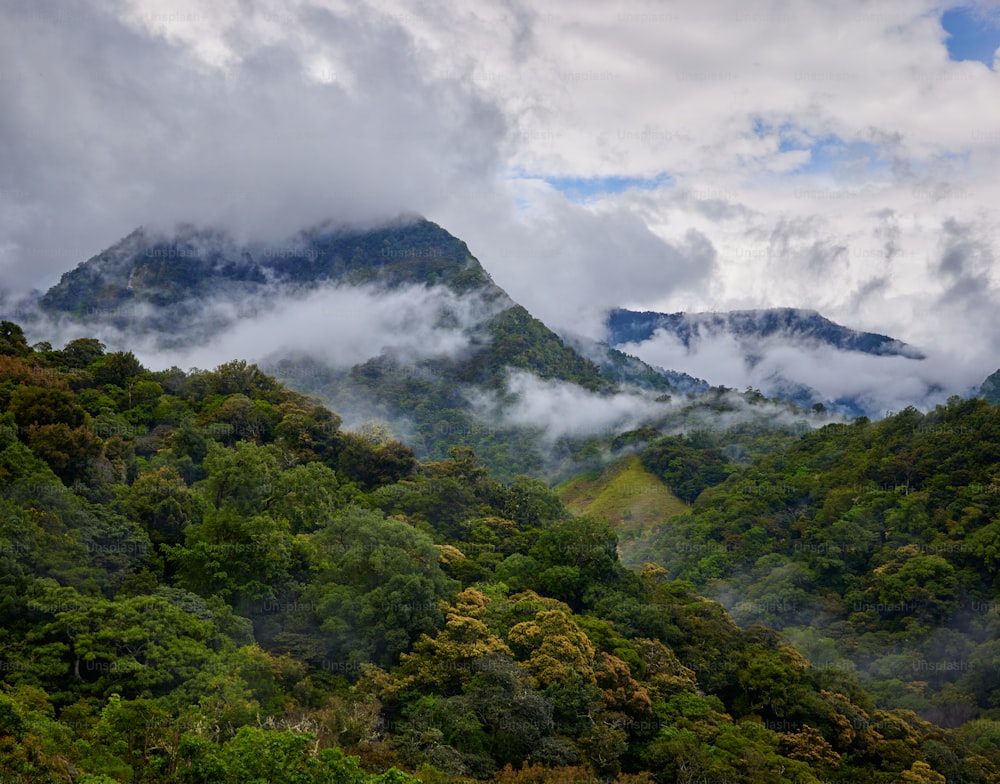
x=205, y=579
x=872, y=545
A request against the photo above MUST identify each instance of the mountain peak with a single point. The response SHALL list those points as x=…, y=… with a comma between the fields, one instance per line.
x=167, y=268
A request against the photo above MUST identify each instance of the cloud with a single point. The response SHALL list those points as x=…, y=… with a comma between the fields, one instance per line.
x=569, y=263
x=560, y=409
x=140, y=113
x=338, y=325
x=812, y=155
x=774, y=365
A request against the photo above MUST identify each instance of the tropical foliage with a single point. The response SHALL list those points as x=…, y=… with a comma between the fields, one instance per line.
x=205, y=579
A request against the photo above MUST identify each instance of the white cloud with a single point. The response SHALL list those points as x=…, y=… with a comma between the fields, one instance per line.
x=819, y=153
x=160, y=112
x=877, y=383
x=339, y=325
x=560, y=409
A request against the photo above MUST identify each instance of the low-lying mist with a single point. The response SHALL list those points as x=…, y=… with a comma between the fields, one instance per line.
x=779, y=365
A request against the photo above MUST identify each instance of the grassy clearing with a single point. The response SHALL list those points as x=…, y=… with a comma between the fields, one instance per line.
x=626, y=494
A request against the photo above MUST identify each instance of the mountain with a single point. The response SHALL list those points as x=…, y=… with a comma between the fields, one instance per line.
x=150, y=278
x=990, y=388
x=788, y=354
x=623, y=368
x=872, y=545
x=437, y=340
x=747, y=326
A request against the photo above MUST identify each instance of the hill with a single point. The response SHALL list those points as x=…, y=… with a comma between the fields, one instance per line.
x=625, y=494
x=990, y=389
x=871, y=545
x=206, y=579
x=786, y=353
x=438, y=375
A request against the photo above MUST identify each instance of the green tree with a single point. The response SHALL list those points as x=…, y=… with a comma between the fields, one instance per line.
x=120, y=368
x=162, y=503
x=377, y=587
x=12, y=340
x=80, y=353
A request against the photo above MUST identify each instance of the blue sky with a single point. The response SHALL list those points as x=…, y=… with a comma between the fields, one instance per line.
x=578, y=189
x=973, y=34
x=827, y=153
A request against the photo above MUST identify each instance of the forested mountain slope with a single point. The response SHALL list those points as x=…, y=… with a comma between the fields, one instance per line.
x=873, y=545
x=439, y=371
x=207, y=580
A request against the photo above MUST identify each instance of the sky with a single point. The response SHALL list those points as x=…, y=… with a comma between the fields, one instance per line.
x=659, y=155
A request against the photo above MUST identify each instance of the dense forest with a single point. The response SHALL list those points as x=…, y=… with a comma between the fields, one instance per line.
x=206, y=579
x=872, y=545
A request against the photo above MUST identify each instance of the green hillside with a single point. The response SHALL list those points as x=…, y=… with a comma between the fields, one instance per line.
x=990, y=388
x=625, y=494
x=873, y=546
x=160, y=287
x=206, y=581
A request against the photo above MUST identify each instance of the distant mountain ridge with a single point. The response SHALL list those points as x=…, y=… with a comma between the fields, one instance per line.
x=630, y=326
